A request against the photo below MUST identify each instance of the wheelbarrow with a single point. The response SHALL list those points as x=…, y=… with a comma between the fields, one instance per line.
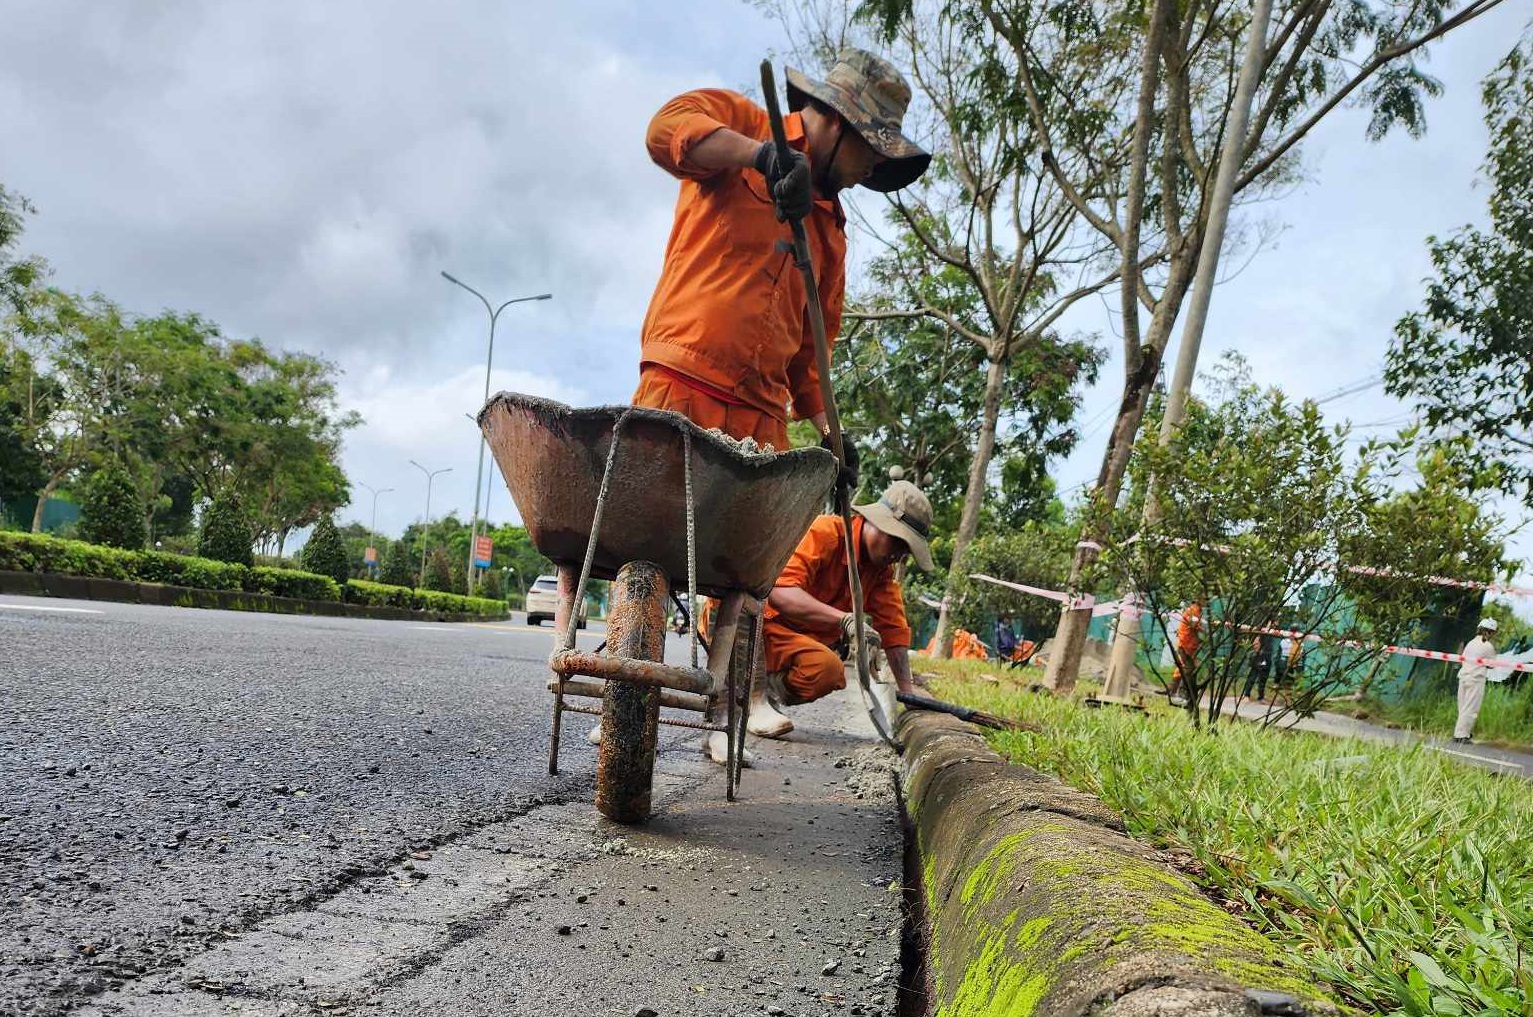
x=647, y=499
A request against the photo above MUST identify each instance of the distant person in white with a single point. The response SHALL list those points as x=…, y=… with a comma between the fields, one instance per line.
x=1471, y=680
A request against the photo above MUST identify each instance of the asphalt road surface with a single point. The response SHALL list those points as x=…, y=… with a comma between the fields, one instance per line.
x=170, y=776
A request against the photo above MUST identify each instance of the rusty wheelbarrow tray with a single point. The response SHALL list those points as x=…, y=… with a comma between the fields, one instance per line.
x=750, y=509
x=651, y=501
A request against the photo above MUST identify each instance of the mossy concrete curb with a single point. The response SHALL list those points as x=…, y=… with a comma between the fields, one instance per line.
x=51, y=584
x=1038, y=905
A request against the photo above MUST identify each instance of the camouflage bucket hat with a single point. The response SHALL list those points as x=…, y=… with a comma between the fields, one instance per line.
x=872, y=97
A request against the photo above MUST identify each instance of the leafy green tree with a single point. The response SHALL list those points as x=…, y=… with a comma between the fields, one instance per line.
x=226, y=532
x=398, y=567
x=325, y=552
x=1464, y=356
x=1257, y=503
x=491, y=586
x=438, y=572
x=1036, y=554
x=110, y=512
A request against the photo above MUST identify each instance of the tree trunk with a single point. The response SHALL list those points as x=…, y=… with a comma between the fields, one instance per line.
x=973, y=501
x=1070, y=636
x=1126, y=638
x=42, y=500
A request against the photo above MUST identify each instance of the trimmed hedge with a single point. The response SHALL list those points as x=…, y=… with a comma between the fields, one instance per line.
x=183, y=570
x=292, y=583
x=33, y=552
x=36, y=552
x=360, y=591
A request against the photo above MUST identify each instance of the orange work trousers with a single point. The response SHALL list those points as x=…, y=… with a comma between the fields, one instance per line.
x=812, y=669
x=660, y=391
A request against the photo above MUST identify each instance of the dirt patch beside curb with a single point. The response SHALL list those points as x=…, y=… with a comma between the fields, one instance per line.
x=1040, y=905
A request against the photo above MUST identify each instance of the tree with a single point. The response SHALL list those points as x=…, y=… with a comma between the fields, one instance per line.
x=110, y=512
x=1464, y=356
x=325, y=552
x=398, y=565
x=438, y=572
x=226, y=532
x=1036, y=554
x=1262, y=521
x=1144, y=96
x=910, y=391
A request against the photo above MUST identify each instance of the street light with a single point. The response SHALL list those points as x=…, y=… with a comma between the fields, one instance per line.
x=425, y=526
x=489, y=358
x=373, y=526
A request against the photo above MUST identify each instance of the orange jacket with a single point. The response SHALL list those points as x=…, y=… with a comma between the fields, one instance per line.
x=1189, y=634
x=729, y=307
x=818, y=567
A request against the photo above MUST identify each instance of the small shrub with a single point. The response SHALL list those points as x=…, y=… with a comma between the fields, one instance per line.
x=36, y=552
x=186, y=570
x=226, y=532
x=398, y=567
x=325, y=552
x=292, y=583
x=361, y=591
x=438, y=572
x=110, y=511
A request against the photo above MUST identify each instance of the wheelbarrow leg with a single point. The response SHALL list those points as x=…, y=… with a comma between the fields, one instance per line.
x=726, y=622
x=568, y=577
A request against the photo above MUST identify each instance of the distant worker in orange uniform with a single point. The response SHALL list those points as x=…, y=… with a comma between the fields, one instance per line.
x=726, y=340
x=1189, y=638
x=809, y=621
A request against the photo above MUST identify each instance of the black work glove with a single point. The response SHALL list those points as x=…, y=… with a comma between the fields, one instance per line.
x=788, y=179
x=849, y=470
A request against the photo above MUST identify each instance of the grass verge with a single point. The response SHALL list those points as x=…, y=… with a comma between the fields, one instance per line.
x=1400, y=877
x=1506, y=717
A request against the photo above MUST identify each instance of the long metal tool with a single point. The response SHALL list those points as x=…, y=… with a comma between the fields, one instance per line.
x=801, y=258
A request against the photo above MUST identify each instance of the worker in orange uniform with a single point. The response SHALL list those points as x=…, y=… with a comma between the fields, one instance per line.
x=809, y=620
x=726, y=340
x=1189, y=638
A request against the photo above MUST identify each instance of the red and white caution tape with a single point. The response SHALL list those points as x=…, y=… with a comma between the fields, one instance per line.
x=1076, y=603
x=1497, y=663
x=1369, y=570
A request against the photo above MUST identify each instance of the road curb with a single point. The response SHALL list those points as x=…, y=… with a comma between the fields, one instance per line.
x=1038, y=904
x=53, y=584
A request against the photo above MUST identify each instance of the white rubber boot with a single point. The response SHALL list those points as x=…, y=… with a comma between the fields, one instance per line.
x=765, y=721
x=717, y=747
x=595, y=736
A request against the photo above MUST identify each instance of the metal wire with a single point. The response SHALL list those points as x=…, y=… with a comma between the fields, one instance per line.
x=696, y=725
x=686, y=442
x=601, y=506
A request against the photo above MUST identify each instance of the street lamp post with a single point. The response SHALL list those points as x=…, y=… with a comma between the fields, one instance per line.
x=426, y=523
x=372, y=528
x=494, y=313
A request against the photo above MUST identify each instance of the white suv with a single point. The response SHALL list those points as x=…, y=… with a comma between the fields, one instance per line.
x=543, y=600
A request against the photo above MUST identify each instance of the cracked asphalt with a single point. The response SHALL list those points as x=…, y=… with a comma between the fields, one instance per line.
x=168, y=774
x=209, y=812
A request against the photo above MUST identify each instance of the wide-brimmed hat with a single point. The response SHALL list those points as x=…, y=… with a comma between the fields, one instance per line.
x=902, y=511
x=872, y=97
x=1488, y=625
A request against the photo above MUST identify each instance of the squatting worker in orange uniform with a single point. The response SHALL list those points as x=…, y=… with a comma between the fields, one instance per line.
x=726, y=340
x=809, y=619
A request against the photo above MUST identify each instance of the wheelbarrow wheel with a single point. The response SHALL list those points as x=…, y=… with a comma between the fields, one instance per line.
x=625, y=764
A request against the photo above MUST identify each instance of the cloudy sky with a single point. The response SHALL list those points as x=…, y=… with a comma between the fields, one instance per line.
x=302, y=172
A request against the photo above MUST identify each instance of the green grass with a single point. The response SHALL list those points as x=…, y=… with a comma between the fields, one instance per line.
x=1398, y=876
x=1506, y=717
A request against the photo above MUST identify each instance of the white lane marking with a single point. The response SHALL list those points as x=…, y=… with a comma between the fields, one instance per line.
x=1477, y=757
x=57, y=610
x=433, y=628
